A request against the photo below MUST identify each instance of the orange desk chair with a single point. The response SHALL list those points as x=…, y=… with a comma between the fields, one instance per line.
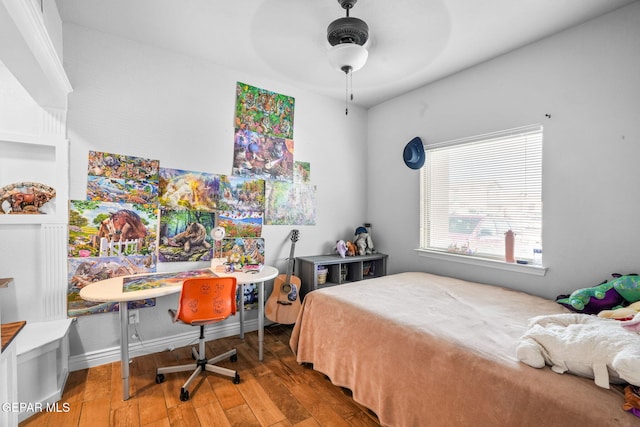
x=203, y=301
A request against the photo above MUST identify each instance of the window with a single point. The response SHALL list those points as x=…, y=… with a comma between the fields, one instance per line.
x=476, y=189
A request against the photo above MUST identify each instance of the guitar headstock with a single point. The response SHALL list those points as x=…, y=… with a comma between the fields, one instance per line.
x=294, y=235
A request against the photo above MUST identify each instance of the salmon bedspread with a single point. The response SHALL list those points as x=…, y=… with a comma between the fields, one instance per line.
x=426, y=350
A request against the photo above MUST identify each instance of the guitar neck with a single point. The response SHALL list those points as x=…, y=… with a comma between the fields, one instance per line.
x=294, y=239
x=290, y=265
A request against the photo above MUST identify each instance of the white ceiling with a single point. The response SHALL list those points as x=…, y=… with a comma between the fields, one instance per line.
x=412, y=42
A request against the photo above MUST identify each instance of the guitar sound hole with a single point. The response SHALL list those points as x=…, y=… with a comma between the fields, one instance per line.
x=286, y=288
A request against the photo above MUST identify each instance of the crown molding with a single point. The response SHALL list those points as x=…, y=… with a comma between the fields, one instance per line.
x=29, y=42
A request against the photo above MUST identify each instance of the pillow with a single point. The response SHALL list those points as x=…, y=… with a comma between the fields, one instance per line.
x=584, y=345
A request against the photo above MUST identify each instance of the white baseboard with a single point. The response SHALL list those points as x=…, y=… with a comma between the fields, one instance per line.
x=141, y=348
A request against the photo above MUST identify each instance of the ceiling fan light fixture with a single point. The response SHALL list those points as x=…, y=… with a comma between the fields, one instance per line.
x=347, y=53
x=348, y=57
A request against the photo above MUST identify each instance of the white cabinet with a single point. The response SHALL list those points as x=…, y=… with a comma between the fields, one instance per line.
x=42, y=350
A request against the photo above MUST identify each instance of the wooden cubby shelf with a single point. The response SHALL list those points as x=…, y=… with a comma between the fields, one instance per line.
x=339, y=270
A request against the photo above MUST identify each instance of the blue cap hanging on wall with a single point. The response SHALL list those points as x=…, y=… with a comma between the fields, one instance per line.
x=414, y=153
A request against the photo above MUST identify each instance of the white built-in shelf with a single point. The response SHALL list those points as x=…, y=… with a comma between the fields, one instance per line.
x=5, y=282
x=41, y=159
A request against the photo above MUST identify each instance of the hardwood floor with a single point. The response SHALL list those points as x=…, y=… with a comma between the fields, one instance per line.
x=275, y=392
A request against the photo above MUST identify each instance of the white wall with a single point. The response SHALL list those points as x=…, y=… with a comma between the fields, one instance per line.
x=134, y=99
x=588, y=79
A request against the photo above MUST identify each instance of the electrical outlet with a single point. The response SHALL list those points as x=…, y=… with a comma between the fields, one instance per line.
x=134, y=317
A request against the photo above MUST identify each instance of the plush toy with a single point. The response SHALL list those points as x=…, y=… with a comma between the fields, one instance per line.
x=584, y=345
x=620, y=291
x=632, y=400
x=628, y=286
x=363, y=241
x=592, y=300
x=351, y=248
x=622, y=313
x=341, y=248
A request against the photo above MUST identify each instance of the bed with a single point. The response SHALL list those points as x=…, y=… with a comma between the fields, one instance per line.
x=426, y=350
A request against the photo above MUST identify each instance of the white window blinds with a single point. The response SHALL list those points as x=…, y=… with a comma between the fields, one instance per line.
x=475, y=189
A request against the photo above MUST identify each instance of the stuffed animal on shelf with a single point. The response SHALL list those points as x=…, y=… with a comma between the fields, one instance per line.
x=363, y=241
x=341, y=248
x=351, y=248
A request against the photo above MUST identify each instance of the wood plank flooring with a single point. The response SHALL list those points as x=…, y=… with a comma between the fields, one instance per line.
x=276, y=392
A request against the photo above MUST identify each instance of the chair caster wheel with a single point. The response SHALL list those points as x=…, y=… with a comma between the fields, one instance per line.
x=159, y=378
x=234, y=358
x=184, y=395
x=236, y=379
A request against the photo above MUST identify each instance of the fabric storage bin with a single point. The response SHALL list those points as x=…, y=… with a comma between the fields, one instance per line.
x=322, y=275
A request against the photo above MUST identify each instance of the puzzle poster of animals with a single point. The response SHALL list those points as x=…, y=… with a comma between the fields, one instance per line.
x=262, y=156
x=111, y=229
x=263, y=141
x=120, y=178
x=241, y=194
x=264, y=112
x=108, y=239
x=185, y=235
x=84, y=271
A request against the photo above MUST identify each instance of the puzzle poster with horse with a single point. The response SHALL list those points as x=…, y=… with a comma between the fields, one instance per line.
x=120, y=229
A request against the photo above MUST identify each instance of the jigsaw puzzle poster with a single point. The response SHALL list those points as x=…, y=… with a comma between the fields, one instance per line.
x=111, y=229
x=84, y=271
x=290, y=204
x=264, y=112
x=241, y=224
x=121, y=178
x=302, y=172
x=241, y=194
x=185, y=235
x=261, y=156
x=181, y=189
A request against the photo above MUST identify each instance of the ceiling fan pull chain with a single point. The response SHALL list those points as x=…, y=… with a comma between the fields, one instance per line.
x=351, y=85
x=346, y=94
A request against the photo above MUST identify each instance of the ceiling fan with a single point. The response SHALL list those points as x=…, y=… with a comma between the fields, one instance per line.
x=347, y=37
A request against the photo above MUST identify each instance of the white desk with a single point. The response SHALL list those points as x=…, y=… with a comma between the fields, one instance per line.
x=110, y=290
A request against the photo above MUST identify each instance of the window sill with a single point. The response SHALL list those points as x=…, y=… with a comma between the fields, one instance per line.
x=483, y=262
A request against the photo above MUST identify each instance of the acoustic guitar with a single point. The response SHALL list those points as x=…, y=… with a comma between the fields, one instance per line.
x=283, y=305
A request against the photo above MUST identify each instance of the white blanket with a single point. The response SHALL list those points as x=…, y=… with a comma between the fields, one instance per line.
x=584, y=345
